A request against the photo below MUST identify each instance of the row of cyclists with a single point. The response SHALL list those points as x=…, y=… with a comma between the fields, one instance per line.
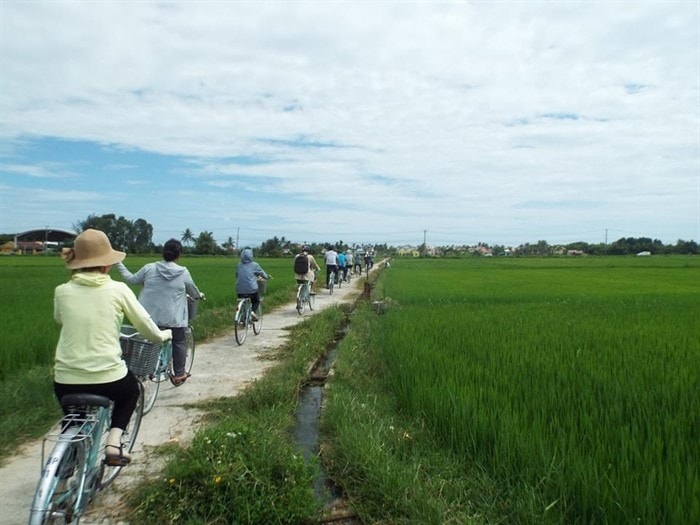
x=340, y=264
x=90, y=308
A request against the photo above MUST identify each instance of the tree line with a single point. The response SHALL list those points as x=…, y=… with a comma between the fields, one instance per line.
x=137, y=237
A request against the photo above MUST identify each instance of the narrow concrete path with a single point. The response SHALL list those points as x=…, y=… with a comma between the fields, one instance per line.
x=221, y=369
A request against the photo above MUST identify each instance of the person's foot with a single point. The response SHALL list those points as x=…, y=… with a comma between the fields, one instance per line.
x=116, y=456
x=254, y=316
x=179, y=380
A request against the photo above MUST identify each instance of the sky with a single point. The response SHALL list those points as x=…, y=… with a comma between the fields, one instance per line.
x=397, y=122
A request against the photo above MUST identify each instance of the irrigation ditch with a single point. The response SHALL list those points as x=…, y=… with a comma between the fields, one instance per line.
x=308, y=413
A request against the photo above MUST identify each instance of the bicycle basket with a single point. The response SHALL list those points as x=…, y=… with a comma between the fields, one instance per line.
x=191, y=309
x=141, y=356
x=262, y=285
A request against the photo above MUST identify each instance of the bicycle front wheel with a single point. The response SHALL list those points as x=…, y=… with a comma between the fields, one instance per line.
x=58, y=490
x=128, y=440
x=189, y=342
x=150, y=386
x=240, y=325
x=257, y=325
x=312, y=301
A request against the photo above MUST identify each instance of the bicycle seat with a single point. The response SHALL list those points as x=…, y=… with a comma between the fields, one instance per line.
x=82, y=400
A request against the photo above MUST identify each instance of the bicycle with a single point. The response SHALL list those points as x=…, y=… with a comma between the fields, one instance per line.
x=243, y=319
x=331, y=282
x=75, y=471
x=304, y=297
x=152, y=363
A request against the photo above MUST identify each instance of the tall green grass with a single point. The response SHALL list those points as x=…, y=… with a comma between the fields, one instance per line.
x=576, y=381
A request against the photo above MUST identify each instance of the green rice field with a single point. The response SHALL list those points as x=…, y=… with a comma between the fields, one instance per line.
x=576, y=381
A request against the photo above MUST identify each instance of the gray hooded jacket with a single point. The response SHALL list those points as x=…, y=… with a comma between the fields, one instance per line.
x=165, y=289
x=247, y=273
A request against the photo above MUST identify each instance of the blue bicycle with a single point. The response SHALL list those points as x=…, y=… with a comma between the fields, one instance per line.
x=74, y=470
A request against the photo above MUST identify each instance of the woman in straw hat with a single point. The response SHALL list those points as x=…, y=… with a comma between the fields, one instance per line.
x=90, y=308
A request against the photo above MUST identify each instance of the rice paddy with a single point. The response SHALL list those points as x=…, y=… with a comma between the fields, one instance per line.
x=576, y=381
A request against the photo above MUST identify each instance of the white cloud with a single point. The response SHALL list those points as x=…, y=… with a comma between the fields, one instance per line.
x=472, y=117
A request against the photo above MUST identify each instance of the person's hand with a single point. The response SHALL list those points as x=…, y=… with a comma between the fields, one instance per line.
x=166, y=335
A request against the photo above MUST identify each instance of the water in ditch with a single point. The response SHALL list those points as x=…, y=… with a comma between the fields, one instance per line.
x=306, y=431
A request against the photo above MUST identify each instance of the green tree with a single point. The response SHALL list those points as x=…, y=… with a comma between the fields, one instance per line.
x=205, y=244
x=229, y=245
x=123, y=234
x=684, y=247
x=274, y=247
x=187, y=237
x=143, y=235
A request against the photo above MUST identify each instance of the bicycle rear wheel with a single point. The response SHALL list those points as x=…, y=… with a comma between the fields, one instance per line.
x=128, y=440
x=331, y=284
x=312, y=301
x=189, y=342
x=257, y=325
x=59, y=487
x=240, y=324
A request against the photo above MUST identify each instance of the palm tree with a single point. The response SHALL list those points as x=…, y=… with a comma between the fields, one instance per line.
x=187, y=237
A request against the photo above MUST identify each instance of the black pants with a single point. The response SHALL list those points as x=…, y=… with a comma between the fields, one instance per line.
x=124, y=393
x=254, y=299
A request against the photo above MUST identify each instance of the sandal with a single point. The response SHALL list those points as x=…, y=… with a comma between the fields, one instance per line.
x=179, y=380
x=116, y=460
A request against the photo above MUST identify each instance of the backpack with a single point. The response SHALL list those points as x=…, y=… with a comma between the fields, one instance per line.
x=301, y=264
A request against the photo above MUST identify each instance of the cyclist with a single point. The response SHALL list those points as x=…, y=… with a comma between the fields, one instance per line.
x=348, y=264
x=358, y=258
x=304, y=260
x=369, y=260
x=331, y=260
x=341, y=265
x=166, y=286
x=247, y=273
x=90, y=308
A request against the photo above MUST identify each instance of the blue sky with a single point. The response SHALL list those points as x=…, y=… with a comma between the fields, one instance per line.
x=464, y=122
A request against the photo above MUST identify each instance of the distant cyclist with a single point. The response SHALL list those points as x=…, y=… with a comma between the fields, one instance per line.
x=331, y=260
x=357, y=258
x=341, y=265
x=247, y=273
x=348, y=264
x=305, y=268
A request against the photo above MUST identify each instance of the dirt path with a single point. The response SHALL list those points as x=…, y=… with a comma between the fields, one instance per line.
x=221, y=369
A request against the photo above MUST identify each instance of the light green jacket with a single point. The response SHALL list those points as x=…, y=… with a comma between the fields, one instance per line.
x=91, y=309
